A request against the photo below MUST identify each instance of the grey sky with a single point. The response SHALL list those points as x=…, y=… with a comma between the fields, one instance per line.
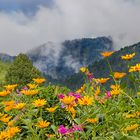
x=69, y=19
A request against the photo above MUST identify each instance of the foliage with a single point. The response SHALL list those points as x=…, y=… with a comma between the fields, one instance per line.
x=92, y=112
x=3, y=68
x=21, y=71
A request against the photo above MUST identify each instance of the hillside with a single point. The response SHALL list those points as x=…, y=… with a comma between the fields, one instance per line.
x=3, y=68
x=101, y=68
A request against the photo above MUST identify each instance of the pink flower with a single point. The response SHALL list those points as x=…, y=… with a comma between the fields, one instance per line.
x=61, y=96
x=90, y=76
x=76, y=95
x=62, y=129
x=108, y=94
x=78, y=127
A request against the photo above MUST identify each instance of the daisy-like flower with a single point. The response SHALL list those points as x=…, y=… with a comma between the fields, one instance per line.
x=128, y=56
x=68, y=99
x=12, y=131
x=102, y=80
x=90, y=120
x=29, y=92
x=135, y=68
x=5, y=118
x=10, y=87
x=4, y=93
x=32, y=86
x=86, y=100
x=42, y=124
x=106, y=54
x=39, y=80
x=115, y=89
x=119, y=75
x=20, y=106
x=52, y=109
x=131, y=127
x=39, y=102
x=9, y=105
x=84, y=69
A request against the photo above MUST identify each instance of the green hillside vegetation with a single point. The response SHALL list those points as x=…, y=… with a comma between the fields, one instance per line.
x=3, y=69
x=102, y=69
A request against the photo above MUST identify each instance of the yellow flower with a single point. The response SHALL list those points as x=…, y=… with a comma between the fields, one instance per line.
x=135, y=68
x=131, y=127
x=9, y=105
x=119, y=75
x=29, y=92
x=84, y=69
x=115, y=89
x=32, y=86
x=5, y=118
x=102, y=80
x=81, y=89
x=67, y=99
x=42, y=124
x=10, y=123
x=39, y=102
x=4, y=93
x=86, y=100
x=39, y=80
x=90, y=120
x=10, y=87
x=128, y=56
x=3, y=135
x=20, y=105
x=130, y=116
x=71, y=110
x=97, y=92
x=12, y=131
x=106, y=54
x=51, y=109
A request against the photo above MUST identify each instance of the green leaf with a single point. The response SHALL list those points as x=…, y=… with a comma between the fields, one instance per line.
x=133, y=137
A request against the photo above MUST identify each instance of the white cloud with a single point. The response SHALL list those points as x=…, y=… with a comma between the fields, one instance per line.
x=69, y=19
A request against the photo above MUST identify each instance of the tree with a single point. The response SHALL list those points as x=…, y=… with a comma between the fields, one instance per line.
x=21, y=71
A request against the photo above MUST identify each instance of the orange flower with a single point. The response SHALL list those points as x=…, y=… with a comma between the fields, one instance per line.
x=128, y=56
x=106, y=54
x=86, y=100
x=135, y=68
x=131, y=127
x=4, y=93
x=42, y=124
x=119, y=75
x=39, y=102
x=12, y=131
x=97, y=92
x=39, y=80
x=102, y=80
x=115, y=89
x=9, y=105
x=90, y=120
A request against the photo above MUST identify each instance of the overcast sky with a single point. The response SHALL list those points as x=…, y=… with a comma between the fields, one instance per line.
x=25, y=24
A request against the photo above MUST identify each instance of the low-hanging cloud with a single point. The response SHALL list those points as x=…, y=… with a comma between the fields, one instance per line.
x=70, y=19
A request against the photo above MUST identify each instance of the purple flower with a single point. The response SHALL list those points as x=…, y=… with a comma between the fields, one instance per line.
x=62, y=129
